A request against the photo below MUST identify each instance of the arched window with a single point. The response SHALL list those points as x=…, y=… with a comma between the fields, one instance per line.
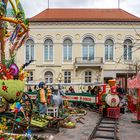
x=109, y=50
x=48, y=50
x=48, y=77
x=88, y=77
x=127, y=54
x=29, y=50
x=67, y=50
x=88, y=48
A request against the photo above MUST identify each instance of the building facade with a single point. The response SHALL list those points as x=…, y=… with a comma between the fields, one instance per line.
x=81, y=45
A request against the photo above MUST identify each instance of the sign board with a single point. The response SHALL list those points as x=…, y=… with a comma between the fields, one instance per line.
x=87, y=99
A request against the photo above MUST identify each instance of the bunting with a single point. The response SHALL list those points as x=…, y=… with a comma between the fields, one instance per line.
x=22, y=41
x=14, y=34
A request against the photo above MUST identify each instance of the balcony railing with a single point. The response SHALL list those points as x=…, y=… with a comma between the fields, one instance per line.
x=82, y=61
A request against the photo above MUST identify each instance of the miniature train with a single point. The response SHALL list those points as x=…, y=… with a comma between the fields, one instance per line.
x=109, y=101
x=106, y=98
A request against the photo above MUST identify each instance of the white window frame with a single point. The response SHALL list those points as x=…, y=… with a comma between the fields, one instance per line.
x=88, y=48
x=48, y=49
x=109, y=47
x=30, y=76
x=67, y=48
x=30, y=50
x=67, y=76
x=127, y=48
x=88, y=76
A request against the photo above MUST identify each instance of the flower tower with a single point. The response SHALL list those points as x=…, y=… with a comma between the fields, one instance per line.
x=11, y=76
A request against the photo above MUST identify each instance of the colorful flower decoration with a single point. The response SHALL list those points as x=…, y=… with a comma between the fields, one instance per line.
x=18, y=93
x=4, y=88
x=113, y=100
x=14, y=69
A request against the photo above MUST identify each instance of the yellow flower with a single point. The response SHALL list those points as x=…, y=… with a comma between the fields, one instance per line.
x=4, y=119
x=12, y=107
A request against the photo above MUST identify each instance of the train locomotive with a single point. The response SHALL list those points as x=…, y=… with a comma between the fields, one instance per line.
x=109, y=101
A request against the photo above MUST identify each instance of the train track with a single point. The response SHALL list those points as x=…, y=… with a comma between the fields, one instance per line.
x=105, y=129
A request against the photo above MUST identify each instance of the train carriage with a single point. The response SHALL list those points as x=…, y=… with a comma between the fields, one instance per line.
x=106, y=97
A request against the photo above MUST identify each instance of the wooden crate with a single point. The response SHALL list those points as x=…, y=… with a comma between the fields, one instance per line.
x=38, y=123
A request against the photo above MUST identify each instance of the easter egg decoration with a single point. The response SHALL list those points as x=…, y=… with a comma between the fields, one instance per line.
x=14, y=69
x=10, y=88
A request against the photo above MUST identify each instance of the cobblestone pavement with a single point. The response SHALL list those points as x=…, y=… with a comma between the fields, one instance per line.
x=127, y=129
x=82, y=131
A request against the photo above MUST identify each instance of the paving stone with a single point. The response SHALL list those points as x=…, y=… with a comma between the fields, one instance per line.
x=127, y=129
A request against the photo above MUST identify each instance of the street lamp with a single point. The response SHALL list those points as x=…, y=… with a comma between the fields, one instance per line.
x=59, y=78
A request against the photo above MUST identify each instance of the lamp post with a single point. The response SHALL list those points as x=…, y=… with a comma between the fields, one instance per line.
x=59, y=78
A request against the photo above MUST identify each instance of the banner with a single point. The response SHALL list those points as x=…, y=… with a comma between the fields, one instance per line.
x=74, y=98
x=86, y=99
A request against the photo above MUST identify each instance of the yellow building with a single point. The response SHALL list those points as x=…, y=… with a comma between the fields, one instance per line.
x=81, y=45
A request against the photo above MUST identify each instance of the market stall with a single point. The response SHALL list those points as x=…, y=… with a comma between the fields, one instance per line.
x=134, y=95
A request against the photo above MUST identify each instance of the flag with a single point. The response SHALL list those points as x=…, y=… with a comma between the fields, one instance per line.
x=22, y=41
x=14, y=45
x=14, y=34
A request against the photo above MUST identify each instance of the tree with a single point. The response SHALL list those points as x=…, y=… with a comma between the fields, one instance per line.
x=97, y=75
x=134, y=65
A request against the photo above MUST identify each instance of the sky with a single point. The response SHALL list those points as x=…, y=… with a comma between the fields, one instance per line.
x=33, y=7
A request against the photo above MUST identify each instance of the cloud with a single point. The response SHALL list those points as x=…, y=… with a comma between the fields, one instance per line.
x=132, y=6
x=33, y=7
x=70, y=3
